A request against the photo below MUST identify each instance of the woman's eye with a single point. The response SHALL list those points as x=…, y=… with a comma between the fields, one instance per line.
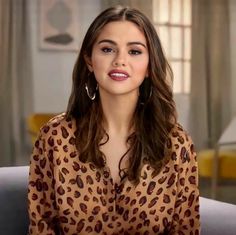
x=135, y=52
x=107, y=49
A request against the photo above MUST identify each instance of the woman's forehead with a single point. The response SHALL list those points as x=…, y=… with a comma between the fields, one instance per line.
x=119, y=30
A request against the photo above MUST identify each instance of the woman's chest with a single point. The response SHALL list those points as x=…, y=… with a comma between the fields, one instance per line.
x=89, y=202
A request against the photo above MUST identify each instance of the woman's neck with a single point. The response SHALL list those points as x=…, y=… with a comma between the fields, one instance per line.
x=118, y=113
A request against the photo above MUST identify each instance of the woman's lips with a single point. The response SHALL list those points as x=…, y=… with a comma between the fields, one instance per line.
x=118, y=75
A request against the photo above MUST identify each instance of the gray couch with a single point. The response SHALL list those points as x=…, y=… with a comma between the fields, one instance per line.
x=217, y=218
x=13, y=200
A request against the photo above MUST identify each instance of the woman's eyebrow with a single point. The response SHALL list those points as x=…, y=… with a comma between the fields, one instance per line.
x=129, y=43
x=137, y=43
x=107, y=40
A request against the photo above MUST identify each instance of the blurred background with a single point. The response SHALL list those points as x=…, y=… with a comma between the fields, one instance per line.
x=39, y=43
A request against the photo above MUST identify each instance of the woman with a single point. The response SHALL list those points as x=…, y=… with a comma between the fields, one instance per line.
x=116, y=162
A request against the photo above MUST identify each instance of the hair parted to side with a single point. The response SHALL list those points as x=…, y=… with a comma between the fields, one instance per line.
x=155, y=114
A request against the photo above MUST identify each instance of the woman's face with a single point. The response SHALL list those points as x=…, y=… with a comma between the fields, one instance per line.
x=119, y=58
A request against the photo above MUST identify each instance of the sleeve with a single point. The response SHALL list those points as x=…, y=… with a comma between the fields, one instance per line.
x=41, y=197
x=186, y=218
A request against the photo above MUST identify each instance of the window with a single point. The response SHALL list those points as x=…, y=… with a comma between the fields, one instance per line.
x=172, y=19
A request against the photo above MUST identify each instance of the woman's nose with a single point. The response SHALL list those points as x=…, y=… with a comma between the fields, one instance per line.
x=120, y=60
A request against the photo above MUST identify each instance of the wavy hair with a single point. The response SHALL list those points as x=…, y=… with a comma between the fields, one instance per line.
x=155, y=113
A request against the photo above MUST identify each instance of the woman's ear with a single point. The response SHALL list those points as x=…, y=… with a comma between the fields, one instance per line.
x=88, y=63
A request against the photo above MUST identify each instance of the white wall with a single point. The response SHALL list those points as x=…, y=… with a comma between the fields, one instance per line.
x=52, y=70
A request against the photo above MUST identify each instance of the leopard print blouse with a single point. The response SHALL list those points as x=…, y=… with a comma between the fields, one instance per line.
x=67, y=196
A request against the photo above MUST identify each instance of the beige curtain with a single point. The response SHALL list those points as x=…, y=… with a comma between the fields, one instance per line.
x=211, y=82
x=144, y=6
x=15, y=82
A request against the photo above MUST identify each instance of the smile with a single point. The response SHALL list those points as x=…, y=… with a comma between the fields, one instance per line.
x=118, y=75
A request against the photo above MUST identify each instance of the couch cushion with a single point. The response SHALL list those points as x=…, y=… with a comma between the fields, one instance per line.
x=13, y=200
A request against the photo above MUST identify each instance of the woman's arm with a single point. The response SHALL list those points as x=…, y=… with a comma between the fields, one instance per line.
x=41, y=196
x=186, y=219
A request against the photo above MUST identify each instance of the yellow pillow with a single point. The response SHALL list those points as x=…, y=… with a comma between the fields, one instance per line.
x=35, y=122
x=227, y=163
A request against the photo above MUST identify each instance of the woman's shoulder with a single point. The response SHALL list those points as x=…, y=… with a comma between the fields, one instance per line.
x=179, y=131
x=179, y=140
x=59, y=125
x=181, y=152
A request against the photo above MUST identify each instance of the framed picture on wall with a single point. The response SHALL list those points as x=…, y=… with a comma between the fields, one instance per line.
x=58, y=25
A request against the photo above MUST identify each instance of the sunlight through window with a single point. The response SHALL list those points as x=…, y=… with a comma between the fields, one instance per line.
x=172, y=20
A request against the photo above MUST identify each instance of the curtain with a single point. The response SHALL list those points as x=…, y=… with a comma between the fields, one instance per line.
x=210, y=81
x=15, y=82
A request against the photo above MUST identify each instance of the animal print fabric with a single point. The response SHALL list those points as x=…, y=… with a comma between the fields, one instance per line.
x=69, y=197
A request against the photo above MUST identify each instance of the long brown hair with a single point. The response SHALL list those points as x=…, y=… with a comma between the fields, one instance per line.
x=155, y=114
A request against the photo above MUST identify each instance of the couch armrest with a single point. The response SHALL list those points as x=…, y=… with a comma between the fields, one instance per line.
x=217, y=218
x=13, y=200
